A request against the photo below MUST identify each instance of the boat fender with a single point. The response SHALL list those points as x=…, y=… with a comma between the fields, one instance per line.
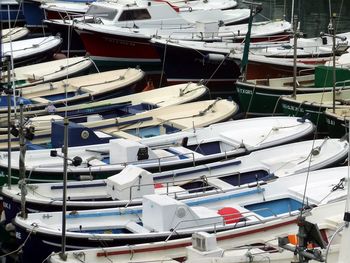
x=214, y=57
x=85, y=178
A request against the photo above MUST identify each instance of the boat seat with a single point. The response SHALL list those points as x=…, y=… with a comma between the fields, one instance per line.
x=136, y=228
x=219, y=184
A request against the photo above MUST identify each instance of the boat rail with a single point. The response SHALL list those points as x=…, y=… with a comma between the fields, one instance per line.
x=198, y=191
x=342, y=83
x=241, y=219
x=305, y=70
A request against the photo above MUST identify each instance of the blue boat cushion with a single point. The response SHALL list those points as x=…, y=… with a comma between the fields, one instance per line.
x=275, y=207
x=206, y=148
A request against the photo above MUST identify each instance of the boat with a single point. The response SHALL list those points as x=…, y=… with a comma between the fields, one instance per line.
x=70, y=91
x=223, y=176
x=35, y=9
x=48, y=130
x=130, y=14
x=115, y=107
x=32, y=50
x=47, y=71
x=132, y=45
x=259, y=244
x=160, y=153
x=337, y=121
x=242, y=212
x=12, y=34
x=259, y=97
x=314, y=105
x=189, y=6
x=218, y=62
x=11, y=13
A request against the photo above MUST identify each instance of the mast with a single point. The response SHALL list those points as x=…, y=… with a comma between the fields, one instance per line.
x=255, y=8
x=295, y=38
x=332, y=32
x=63, y=254
x=8, y=92
x=344, y=251
x=22, y=169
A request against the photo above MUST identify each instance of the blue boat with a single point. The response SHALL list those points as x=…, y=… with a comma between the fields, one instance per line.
x=11, y=13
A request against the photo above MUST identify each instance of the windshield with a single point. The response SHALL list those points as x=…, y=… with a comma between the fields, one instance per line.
x=103, y=12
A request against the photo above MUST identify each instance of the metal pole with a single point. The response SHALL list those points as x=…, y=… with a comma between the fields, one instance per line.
x=301, y=237
x=22, y=170
x=333, y=49
x=63, y=254
x=295, y=35
x=9, y=175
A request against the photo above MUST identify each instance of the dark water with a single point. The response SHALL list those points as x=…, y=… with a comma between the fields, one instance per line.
x=314, y=15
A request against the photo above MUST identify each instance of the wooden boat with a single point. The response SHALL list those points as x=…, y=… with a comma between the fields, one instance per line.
x=12, y=34
x=162, y=218
x=93, y=87
x=314, y=105
x=170, y=119
x=337, y=121
x=165, y=152
x=47, y=71
x=29, y=51
x=259, y=97
x=131, y=14
x=259, y=243
x=115, y=107
x=134, y=182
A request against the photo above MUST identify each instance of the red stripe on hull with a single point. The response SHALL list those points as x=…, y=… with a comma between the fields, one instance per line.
x=167, y=247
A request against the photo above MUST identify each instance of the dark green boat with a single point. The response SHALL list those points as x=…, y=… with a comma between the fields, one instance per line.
x=262, y=97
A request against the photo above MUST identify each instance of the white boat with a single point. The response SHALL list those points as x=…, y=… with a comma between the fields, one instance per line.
x=184, y=183
x=130, y=14
x=168, y=151
x=122, y=106
x=244, y=246
x=189, y=6
x=12, y=34
x=240, y=213
x=25, y=52
x=154, y=122
x=97, y=86
x=144, y=13
x=47, y=71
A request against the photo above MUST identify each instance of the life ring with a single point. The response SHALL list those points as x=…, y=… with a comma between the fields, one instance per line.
x=85, y=134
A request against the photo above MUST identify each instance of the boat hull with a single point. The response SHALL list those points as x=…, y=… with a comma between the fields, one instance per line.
x=337, y=126
x=217, y=71
x=34, y=15
x=314, y=113
x=119, y=50
x=76, y=46
x=41, y=245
